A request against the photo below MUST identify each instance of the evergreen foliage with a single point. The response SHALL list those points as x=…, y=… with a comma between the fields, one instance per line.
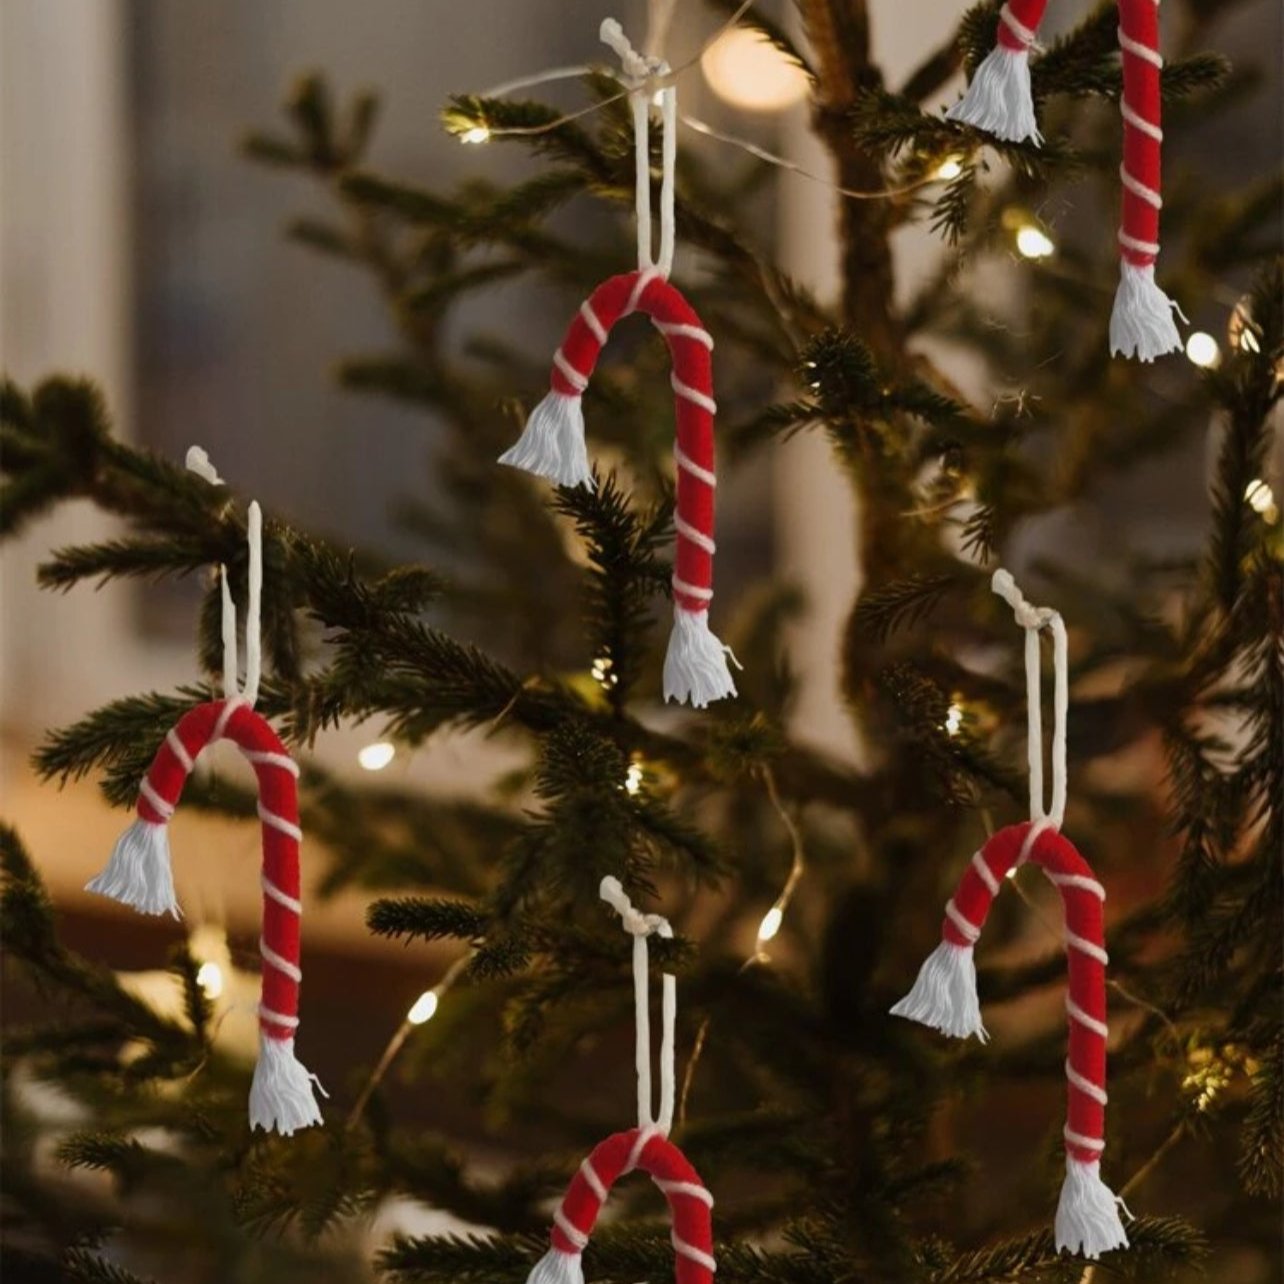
x=834, y=1136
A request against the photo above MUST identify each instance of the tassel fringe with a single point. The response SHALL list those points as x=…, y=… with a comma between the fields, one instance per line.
x=999, y=99
x=556, y=1267
x=138, y=873
x=1142, y=324
x=1088, y=1213
x=282, y=1097
x=552, y=443
x=944, y=995
x=695, y=667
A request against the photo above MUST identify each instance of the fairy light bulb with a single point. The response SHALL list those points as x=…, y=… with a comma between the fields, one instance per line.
x=949, y=169
x=1034, y=243
x=475, y=136
x=633, y=779
x=746, y=70
x=953, y=720
x=1203, y=350
x=770, y=924
x=424, y=1008
x=376, y=756
x=209, y=976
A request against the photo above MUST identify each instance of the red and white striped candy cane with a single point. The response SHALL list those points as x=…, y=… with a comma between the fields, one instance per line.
x=944, y=995
x=552, y=444
x=999, y=101
x=139, y=873
x=645, y=1147
x=690, y=1207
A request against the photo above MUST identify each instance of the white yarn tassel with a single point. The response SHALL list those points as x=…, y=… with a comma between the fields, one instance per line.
x=1088, y=1213
x=944, y=995
x=552, y=443
x=695, y=667
x=556, y=1267
x=138, y=873
x=999, y=99
x=282, y=1096
x=1142, y=324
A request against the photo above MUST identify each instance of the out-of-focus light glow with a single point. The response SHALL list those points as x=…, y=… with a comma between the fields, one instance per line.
x=424, y=1009
x=746, y=70
x=478, y=134
x=1259, y=495
x=770, y=924
x=209, y=976
x=953, y=720
x=602, y=674
x=1203, y=350
x=1241, y=329
x=375, y=757
x=1033, y=243
x=633, y=778
x=949, y=169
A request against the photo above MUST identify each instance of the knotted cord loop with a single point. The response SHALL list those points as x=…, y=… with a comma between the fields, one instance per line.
x=641, y=926
x=1033, y=619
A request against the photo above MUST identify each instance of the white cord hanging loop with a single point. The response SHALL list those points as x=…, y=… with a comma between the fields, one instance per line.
x=199, y=463
x=640, y=926
x=1032, y=619
x=641, y=74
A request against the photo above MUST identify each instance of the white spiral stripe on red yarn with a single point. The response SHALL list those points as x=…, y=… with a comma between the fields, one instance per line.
x=1147, y=194
x=282, y=760
x=594, y=1181
x=1087, y=947
x=179, y=750
x=282, y=965
x=280, y=824
x=278, y=1018
x=166, y=809
x=569, y=1229
x=685, y=1188
x=967, y=928
x=1016, y=26
x=569, y=372
x=1076, y=1013
x=691, y=1253
x=1137, y=246
x=1086, y=1086
x=230, y=706
x=590, y=320
x=984, y=873
x=1140, y=122
x=1138, y=50
x=692, y=395
x=1078, y=1139
x=1080, y=881
x=645, y=1134
x=698, y=333
x=639, y=289
x=690, y=466
x=691, y=590
x=281, y=898
x=698, y=538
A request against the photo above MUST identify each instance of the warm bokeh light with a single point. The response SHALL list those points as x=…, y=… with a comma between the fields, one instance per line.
x=1203, y=350
x=375, y=757
x=633, y=778
x=424, y=1009
x=209, y=976
x=953, y=719
x=770, y=924
x=746, y=70
x=478, y=134
x=1033, y=243
x=949, y=169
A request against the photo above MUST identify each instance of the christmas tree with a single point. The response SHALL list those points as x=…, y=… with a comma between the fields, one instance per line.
x=841, y=1143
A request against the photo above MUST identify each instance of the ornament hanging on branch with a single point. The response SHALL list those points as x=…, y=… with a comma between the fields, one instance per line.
x=646, y=1148
x=944, y=995
x=139, y=872
x=999, y=101
x=552, y=444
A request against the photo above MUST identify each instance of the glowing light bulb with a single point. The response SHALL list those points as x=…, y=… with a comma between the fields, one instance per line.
x=746, y=70
x=209, y=976
x=949, y=169
x=375, y=757
x=1203, y=350
x=476, y=135
x=602, y=674
x=1033, y=243
x=770, y=924
x=424, y=1009
x=1261, y=499
x=633, y=778
x=953, y=720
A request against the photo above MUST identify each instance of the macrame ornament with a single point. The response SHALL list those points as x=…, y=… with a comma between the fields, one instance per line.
x=944, y=995
x=999, y=101
x=552, y=444
x=646, y=1148
x=139, y=874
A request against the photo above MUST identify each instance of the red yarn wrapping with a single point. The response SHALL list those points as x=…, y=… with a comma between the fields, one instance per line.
x=279, y=800
x=690, y=1205
x=1084, y=917
x=692, y=368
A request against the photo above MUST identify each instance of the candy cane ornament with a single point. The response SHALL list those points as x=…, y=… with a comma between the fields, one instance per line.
x=999, y=101
x=645, y=1148
x=552, y=445
x=944, y=995
x=139, y=873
